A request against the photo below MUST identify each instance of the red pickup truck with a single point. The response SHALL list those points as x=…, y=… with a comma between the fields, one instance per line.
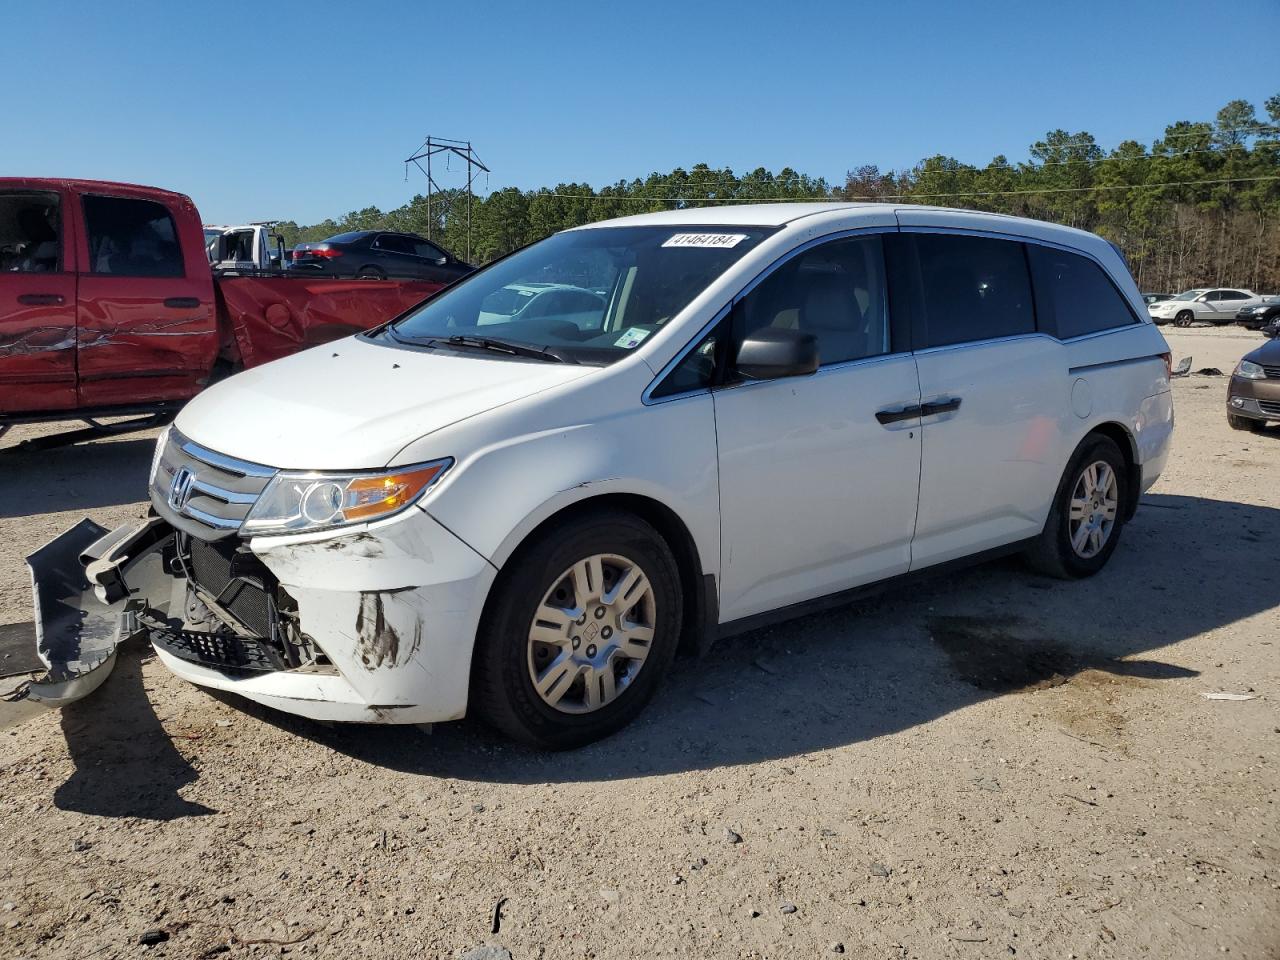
x=108, y=304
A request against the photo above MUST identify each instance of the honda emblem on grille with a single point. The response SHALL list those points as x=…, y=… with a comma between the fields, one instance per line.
x=180, y=489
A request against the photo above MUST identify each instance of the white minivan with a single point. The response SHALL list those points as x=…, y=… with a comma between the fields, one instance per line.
x=708, y=419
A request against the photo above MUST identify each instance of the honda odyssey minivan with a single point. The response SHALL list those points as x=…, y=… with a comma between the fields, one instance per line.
x=759, y=410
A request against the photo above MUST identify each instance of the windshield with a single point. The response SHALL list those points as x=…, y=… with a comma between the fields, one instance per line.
x=588, y=296
x=1192, y=294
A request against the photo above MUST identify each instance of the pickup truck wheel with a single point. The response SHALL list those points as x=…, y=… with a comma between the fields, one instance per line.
x=1087, y=514
x=1184, y=318
x=582, y=625
x=370, y=273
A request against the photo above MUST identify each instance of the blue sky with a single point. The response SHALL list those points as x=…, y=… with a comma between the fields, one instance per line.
x=306, y=110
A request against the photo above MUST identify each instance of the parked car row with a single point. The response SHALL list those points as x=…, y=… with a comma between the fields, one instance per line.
x=1201, y=304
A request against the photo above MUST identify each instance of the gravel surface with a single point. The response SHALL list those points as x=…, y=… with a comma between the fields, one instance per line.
x=989, y=765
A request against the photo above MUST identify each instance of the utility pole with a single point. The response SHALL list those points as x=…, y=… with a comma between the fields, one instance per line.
x=459, y=148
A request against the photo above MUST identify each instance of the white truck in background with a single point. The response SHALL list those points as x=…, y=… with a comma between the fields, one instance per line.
x=250, y=246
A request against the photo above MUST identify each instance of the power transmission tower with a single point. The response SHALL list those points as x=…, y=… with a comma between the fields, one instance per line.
x=462, y=149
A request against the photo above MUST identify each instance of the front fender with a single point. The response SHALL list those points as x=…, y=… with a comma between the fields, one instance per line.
x=665, y=452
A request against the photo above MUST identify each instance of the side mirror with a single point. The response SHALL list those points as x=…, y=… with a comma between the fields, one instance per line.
x=1203, y=298
x=441, y=261
x=772, y=353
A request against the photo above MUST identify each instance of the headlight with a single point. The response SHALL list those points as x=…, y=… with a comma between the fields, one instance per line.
x=1248, y=370
x=302, y=502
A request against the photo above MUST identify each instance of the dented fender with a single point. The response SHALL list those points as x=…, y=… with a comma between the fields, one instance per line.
x=394, y=605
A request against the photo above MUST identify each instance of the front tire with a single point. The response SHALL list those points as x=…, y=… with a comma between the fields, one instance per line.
x=1087, y=514
x=582, y=625
x=1184, y=318
x=1245, y=423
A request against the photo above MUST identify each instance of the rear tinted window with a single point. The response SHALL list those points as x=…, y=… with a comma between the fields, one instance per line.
x=424, y=249
x=131, y=238
x=1074, y=295
x=346, y=237
x=975, y=288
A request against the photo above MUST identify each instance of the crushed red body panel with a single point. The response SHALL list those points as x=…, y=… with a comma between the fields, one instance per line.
x=271, y=317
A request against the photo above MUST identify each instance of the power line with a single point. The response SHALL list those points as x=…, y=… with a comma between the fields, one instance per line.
x=912, y=196
x=1019, y=166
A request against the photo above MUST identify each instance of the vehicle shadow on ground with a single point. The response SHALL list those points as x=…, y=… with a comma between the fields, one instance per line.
x=1186, y=565
x=126, y=763
x=85, y=476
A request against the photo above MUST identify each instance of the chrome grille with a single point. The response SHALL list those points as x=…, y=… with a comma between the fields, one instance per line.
x=1272, y=371
x=204, y=493
x=1269, y=406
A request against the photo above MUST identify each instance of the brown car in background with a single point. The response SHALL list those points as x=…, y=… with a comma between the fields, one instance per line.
x=1253, y=397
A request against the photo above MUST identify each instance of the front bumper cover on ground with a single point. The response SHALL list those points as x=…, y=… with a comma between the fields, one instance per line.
x=83, y=610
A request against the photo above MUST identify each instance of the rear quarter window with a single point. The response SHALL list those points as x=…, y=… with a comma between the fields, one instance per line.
x=131, y=238
x=1074, y=296
x=974, y=288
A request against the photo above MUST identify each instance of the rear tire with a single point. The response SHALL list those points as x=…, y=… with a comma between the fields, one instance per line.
x=370, y=273
x=1086, y=518
x=1184, y=318
x=534, y=663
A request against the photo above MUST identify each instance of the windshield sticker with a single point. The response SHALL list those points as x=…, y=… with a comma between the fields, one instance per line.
x=631, y=338
x=722, y=240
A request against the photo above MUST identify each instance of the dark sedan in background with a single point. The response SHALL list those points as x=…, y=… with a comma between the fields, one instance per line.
x=1259, y=315
x=1253, y=395
x=376, y=254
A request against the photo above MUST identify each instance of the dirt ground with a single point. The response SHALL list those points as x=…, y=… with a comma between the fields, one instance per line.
x=991, y=765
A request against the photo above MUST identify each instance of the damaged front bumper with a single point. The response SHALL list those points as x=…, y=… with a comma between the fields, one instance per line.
x=83, y=611
x=374, y=624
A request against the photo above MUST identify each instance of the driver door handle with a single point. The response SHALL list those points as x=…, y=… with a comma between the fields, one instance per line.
x=40, y=299
x=946, y=405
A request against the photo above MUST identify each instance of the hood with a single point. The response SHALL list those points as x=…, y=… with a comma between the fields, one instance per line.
x=354, y=404
x=1268, y=353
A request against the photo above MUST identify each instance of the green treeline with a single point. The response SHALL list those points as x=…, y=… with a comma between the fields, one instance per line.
x=1200, y=206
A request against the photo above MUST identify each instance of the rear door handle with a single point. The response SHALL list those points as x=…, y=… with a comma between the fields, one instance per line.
x=40, y=299
x=182, y=303
x=893, y=416
x=939, y=406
